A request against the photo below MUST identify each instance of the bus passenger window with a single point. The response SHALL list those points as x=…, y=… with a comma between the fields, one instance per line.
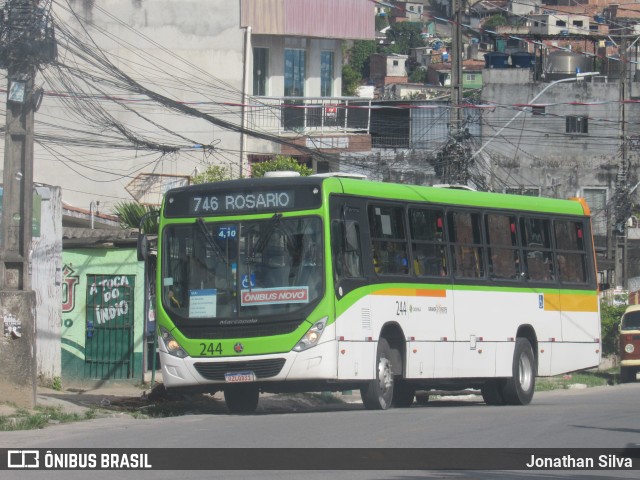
x=571, y=255
x=504, y=259
x=388, y=240
x=465, y=234
x=536, y=244
x=427, y=235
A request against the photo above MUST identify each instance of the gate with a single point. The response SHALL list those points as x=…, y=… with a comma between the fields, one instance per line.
x=109, y=331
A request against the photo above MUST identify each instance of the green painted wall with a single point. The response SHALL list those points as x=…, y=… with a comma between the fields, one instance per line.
x=112, y=279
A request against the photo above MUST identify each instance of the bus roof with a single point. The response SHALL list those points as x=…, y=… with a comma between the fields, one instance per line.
x=456, y=196
x=395, y=191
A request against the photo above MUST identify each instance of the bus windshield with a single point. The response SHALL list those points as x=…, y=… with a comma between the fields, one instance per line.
x=236, y=269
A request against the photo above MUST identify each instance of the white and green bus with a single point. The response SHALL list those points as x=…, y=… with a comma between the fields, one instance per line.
x=327, y=283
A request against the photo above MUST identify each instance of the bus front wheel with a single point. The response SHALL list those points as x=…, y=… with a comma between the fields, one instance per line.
x=378, y=393
x=518, y=389
x=242, y=398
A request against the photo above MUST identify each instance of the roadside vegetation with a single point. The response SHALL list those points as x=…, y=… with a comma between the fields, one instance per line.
x=40, y=417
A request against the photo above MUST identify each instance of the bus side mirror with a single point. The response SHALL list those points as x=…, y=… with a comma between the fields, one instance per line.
x=143, y=247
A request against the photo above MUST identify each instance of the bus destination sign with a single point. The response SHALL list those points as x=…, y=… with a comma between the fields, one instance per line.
x=209, y=200
x=241, y=202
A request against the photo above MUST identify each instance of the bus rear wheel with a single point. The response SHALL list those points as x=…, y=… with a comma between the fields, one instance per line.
x=518, y=389
x=241, y=398
x=378, y=393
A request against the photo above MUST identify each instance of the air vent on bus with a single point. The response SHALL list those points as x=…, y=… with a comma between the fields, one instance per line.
x=357, y=176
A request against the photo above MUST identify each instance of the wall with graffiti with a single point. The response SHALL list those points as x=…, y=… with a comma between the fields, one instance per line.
x=102, y=315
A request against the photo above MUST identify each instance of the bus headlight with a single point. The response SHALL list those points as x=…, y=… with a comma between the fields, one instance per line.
x=312, y=337
x=171, y=344
x=629, y=348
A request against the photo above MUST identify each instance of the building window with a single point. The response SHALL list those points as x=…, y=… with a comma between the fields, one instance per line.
x=560, y=23
x=294, y=72
x=471, y=77
x=260, y=70
x=326, y=74
x=395, y=63
x=537, y=110
x=577, y=124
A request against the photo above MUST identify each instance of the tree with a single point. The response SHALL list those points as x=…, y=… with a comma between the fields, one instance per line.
x=610, y=316
x=213, y=173
x=278, y=164
x=494, y=21
x=419, y=75
x=405, y=36
x=359, y=55
x=130, y=214
x=351, y=80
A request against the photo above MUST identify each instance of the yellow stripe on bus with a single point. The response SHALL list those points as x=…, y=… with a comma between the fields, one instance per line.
x=411, y=292
x=568, y=302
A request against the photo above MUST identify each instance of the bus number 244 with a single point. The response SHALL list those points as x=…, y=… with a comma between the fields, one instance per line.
x=401, y=307
x=211, y=349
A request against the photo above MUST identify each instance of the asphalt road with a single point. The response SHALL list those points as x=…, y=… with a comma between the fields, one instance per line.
x=603, y=417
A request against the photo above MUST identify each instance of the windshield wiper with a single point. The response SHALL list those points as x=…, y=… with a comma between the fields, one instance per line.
x=211, y=241
x=261, y=244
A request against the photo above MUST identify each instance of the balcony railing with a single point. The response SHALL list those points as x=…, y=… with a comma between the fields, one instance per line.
x=309, y=115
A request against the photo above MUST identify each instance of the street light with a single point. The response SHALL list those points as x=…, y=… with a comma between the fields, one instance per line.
x=577, y=78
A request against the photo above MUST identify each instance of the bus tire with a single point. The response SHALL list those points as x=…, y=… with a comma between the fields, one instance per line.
x=403, y=394
x=627, y=374
x=241, y=398
x=378, y=393
x=492, y=392
x=518, y=389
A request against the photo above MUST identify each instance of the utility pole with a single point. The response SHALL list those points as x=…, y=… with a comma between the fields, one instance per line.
x=26, y=40
x=455, y=156
x=622, y=200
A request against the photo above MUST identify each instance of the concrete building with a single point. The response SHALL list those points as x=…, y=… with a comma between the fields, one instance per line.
x=119, y=130
x=567, y=144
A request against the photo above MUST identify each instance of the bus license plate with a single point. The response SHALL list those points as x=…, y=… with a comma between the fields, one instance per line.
x=239, y=377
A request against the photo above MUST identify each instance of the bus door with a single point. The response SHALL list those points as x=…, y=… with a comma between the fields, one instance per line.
x=351, y=287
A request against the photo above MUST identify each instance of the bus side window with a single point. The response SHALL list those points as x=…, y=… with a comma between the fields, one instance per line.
x=427, y=237
x=464, y=232
x=536, y=245
x=504, y=262
x=571, y=255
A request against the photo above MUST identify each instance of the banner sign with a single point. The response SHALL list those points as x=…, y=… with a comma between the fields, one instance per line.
x=524, y=459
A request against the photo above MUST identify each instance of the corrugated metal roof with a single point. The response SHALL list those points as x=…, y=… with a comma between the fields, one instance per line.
x=342, y=19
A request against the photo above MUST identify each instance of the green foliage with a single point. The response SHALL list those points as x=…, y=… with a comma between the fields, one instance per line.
x=405, y=35
x=495, y=21
x=213, y=173
x=40, y=418
x=351, y=80
x=57, y=384
x=419, y=75
x=359, y=56
x=610, y=316
x=131, y=213
x=382, y=21
x=279, y=164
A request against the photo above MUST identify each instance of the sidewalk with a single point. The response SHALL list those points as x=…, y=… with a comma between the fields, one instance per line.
x=80, y=400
